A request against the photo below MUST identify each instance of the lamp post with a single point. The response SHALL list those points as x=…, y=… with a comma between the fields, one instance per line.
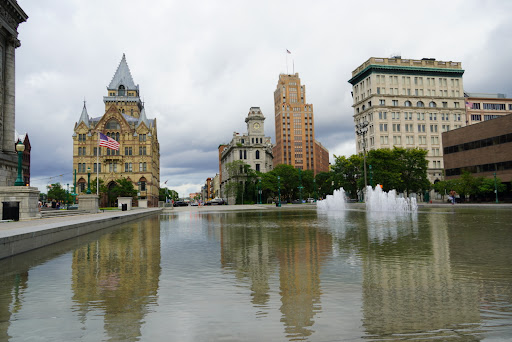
x=279, y=190
x=88, y=192
x=259, y=191
x=300, y=186
x=361, y=130
x=371, y=176
x=314, y=188
x=495, y=187
x=20, y=147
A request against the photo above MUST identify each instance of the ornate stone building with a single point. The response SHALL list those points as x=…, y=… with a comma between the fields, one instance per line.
x=253, y=148
x=11, y=15
x=125, y=120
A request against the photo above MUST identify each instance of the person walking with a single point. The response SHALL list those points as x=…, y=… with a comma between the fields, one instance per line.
x=452, y=195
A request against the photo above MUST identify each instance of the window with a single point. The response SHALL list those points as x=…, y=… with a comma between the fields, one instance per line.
x=457, y=104
x=127, y=167
x=421, y=116
x=97, y=150
x=476, y=117
x=142, y=186
x=142, y=150
x=384, y=140
x=433, y=116
x=433, y=128
x=421, y=128
x=422, y=140
x=113, y=124
x=81, y=137
x=240, y=154
x=396, y=127
x=420, y=104
x=383, y=127
x=121, y=91
x=432, y=104
x=142, y=137
x=382, y=102
x=97, y=167
x=257, y=155
x=127, y=151
x=142, y=166
x=395, y=115
x=383, y=115
x=409, y=140
x=257, y=166
x=395, y=103
x=494, y=106
x=397, y=140
x=407, y=103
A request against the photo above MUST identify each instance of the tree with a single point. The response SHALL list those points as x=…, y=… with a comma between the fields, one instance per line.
x=165, y=193
x=103, y=187
x=487, y=186
x=413, y=169
x=347, y=172
x=444, y=187
x=323, y=181
x=289, y=180
x=466, y=185
x=56, y=193
x=123, y=188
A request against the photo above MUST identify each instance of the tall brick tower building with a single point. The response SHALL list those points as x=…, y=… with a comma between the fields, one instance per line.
x=295, y=128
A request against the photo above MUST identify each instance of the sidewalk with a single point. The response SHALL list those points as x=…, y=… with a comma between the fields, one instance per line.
x=22, y=236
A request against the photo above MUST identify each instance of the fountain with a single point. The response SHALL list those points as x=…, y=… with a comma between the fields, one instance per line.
x=379, y=200
x=376, y=200
x=336, y=201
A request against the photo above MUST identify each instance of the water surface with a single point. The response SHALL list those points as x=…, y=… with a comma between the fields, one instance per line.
x=270, y=275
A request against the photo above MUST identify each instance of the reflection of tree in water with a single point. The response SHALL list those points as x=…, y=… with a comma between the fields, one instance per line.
x=119, y=274
x=11, y=301
x=290, y=240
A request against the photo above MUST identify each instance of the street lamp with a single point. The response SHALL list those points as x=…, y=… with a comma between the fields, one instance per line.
x=495, y=187
x=371, y=176
x=88, y=192
x=279, y=190
x=361, y=130
x=20, y=147
x=300, y=185
x=259, y=190
x=314, y=188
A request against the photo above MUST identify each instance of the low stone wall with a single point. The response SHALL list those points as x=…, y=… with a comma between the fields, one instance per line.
x=19, y=240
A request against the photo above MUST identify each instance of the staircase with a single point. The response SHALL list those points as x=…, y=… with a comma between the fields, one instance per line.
x=50, y=213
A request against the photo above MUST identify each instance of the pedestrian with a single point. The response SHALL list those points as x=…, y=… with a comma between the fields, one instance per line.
x=452, y=195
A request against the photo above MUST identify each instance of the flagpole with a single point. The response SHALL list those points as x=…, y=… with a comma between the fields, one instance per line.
x=286, y=62
x=98, y=167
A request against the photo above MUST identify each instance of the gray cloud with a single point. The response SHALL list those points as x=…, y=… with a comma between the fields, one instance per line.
x=201, y=65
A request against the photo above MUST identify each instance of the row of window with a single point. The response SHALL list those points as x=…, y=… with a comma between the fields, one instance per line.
x=128, y=151
x=243, y=154
x=419, y=104
x=490, y=106
x=113, y=135
x=478, y=117
x=409, y=140
x=493, y=167
x=112, y=167
x=496, y=140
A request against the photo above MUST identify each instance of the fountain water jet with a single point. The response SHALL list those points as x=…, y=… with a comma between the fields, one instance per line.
x=336, y=201
x=378, y=200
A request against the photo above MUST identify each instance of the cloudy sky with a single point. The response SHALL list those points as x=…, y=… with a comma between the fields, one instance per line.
x=202, y=64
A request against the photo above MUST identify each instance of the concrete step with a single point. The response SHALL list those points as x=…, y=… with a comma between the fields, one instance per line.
x=60, y=213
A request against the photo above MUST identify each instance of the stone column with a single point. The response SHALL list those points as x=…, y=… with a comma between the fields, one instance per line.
x=9, y=94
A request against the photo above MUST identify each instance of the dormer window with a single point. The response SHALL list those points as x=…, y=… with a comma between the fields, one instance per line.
x=113, y=124
x=121, y=91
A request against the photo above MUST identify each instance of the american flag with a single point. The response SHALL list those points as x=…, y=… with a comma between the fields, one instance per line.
x=108, y=142
x=469, y=104
x=288, y=51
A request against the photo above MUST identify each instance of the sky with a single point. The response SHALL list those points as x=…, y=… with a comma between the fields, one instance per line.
x=201, y=65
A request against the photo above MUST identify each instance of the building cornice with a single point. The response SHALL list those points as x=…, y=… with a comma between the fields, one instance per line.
x=404, y=70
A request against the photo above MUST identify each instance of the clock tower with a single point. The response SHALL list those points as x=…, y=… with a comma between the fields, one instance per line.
x=254, y=120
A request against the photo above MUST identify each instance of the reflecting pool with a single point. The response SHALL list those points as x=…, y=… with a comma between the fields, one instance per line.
x=279, y=274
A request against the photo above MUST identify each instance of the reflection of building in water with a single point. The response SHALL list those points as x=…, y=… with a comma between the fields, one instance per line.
x=252, y=250
x=10, y=303
x=249, y=251
x=300, y=257
x=408, y=285
x=119, y=275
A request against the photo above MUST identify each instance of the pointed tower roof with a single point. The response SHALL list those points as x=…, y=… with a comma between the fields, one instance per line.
x=84, y=117
x=122, y=76
x=143, y=118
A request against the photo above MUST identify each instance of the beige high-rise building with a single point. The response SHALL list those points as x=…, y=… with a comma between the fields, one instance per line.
x=295, y=128
x=408, y=103
x=125, y=120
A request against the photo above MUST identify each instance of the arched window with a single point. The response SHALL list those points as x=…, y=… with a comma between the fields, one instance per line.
x=407, y=103
x=363, y=107
x=117, y=136
x=432, y=104
x=420, y=104
x=113, y=124
x=121, y=90
x=257, y=154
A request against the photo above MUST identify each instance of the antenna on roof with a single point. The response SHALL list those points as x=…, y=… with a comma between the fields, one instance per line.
x=84, y=101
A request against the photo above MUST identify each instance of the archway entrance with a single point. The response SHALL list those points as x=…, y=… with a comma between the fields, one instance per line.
x=111, y=197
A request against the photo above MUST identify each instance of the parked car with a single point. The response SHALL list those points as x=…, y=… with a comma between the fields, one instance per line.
x=217, y=201
x=180, y=204
x=194, y=204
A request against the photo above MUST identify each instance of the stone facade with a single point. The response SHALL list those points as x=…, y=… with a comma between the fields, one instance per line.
x=125, y=121
x=11, y=15
x=408, y=103
x=27, y=197
x=295, y=128
x=253, y=148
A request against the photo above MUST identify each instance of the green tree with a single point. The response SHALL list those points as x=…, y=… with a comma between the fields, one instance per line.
x=347, y=172
x=486, y=186
x=413, y=169
x=466, y=185
x=123, y=188
x=56, y=193
x=289, y=180
x=103, y=187
x=323, y=181
x=164, y=193
x=444, y=187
